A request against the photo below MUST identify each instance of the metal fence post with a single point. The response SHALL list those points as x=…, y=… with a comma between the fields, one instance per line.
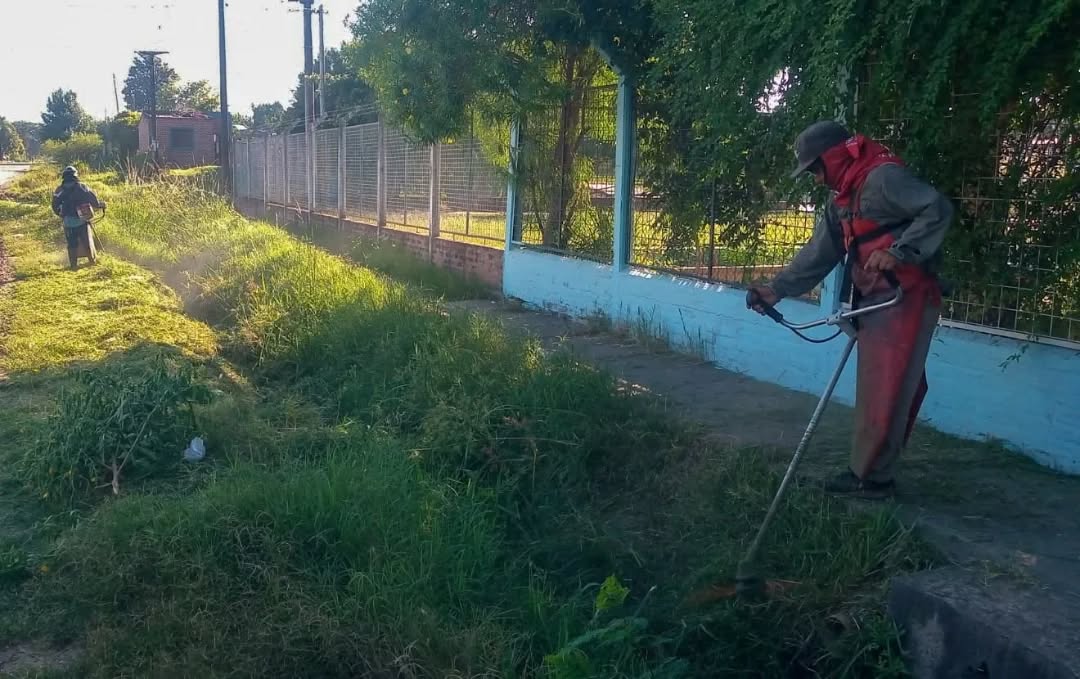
x=624, y=173
x=513, y=204
x=341, y=176
x=380, y=179
x=434, y=208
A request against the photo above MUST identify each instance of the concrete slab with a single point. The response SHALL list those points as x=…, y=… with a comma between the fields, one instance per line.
x=960, y=626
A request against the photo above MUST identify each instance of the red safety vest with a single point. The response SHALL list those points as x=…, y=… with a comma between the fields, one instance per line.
x=852, y=162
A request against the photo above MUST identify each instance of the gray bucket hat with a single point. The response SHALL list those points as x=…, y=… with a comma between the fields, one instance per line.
x=816, y=140
x=70, y=171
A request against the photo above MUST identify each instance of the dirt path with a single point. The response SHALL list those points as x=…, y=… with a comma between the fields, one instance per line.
x=984, y=508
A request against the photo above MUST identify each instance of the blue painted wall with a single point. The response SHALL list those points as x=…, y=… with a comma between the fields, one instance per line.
x=1033, y=404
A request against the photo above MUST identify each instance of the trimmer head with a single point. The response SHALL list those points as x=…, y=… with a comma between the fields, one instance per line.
x=748, y=582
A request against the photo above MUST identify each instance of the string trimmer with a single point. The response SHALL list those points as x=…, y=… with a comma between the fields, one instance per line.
x=748, y=580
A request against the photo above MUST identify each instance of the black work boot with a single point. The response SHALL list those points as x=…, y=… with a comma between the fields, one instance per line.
x=849, y=485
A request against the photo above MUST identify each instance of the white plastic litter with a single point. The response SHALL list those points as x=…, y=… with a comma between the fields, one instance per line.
x=196, y=450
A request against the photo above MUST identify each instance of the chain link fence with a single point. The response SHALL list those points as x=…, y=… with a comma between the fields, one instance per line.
x=346, y=179
x=1013, y=254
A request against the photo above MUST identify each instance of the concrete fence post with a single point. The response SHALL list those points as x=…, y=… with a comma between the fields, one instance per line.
x=249, y=192
x=341, y=176
x=625, y=142
x=380, y=179
x=285, y=164
x=513, y=183
x=266, y=171
x=434, y=209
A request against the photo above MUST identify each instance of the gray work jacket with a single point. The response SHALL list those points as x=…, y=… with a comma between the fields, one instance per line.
x=891, y=195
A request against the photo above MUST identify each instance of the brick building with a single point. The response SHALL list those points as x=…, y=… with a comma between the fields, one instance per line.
x=183, y=139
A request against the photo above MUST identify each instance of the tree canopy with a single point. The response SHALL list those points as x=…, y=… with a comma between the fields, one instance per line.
x=138, y=85
x=64, y=116
x=346, y=93
x=11, y=143
x=31, y=136
x=431, y=62
x=172, y=93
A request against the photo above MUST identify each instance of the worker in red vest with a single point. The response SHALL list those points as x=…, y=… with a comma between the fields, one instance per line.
x=889, y=225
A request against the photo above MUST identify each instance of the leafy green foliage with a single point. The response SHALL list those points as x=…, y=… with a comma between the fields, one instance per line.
x=172, y=94
x=82, y=148
x=116, y=424
x=432, y=63
x=122, y=134
x=138, y=85
x=31, y=136
x=11, y=144
x=197, y=95
x=64, y=117
x=267, y=116
x=345, y=90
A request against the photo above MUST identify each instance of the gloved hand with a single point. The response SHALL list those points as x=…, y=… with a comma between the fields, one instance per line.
x=760, y=298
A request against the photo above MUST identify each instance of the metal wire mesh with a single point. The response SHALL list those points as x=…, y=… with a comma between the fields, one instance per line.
x=297, y=170
x=690, y=241
x=257, y=158
x=568, y=175
x=275, y=150
x=361, y=171
x=326, y=170
x=1013, y=254
x=473, y=193
x=473, y=186
x=408, y=177
x=240, y=168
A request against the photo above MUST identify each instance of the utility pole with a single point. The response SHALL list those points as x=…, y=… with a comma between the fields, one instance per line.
x=116, y=94
x=151, y=59
x=225, y=140
x=309, y=103
x=322, y=65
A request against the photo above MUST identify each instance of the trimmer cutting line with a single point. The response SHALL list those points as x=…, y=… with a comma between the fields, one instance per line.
x=748, y=580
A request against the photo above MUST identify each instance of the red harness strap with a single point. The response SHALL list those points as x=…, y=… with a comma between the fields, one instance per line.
x=852, y=162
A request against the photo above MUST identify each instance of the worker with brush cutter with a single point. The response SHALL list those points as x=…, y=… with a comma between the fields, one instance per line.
x=74, y=202
x=889, y=225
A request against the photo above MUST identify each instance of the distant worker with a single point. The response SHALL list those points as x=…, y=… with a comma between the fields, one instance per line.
x=890, y=225
x=74, y=202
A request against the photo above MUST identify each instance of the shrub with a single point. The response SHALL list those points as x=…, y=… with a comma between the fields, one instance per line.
x=88, y=149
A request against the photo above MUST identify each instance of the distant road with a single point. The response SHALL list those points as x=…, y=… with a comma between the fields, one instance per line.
x=9, y=171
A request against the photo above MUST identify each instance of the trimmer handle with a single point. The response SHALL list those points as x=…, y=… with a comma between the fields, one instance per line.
x=753, y=298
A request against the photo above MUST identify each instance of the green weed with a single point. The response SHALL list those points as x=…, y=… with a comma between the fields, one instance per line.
x=120, y=422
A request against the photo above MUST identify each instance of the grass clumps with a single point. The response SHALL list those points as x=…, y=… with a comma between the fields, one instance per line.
x=394, y=490
x=347, y=569
x=119, y=422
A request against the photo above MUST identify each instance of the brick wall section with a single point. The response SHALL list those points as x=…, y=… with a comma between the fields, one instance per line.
x=205, y=131
x=473, y=261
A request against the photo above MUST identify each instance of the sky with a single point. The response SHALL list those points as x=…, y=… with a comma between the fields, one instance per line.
x=80, y=44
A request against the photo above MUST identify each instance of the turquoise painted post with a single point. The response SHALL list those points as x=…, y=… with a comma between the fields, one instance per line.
x=830, y=290
x=625, y=144
x=513, y=205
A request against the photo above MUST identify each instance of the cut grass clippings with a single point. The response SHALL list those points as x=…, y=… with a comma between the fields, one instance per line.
x=401, y=492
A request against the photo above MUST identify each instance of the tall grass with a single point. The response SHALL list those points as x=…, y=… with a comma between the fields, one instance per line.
x=413, y=494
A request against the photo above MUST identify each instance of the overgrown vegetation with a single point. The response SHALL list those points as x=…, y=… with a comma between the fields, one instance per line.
x=980, y=97
x=389, y=489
